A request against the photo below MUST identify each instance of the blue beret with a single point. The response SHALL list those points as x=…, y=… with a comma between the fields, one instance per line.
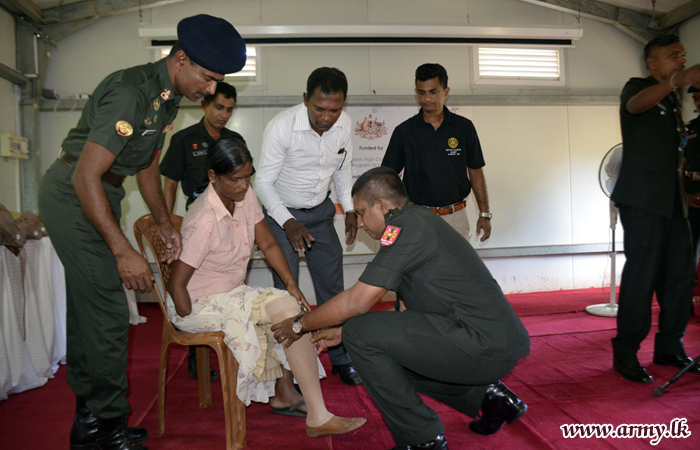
x=212, y=43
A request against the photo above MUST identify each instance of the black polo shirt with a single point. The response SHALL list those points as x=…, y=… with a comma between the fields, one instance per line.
x=435, y=162
x=651, y=159
x=437, y=272
x=186, y=158
x=692, y=153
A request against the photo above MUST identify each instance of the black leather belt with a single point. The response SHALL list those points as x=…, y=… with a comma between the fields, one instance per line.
x=108, y=177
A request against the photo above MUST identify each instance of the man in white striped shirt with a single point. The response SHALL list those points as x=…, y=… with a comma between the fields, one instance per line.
x=303, y=148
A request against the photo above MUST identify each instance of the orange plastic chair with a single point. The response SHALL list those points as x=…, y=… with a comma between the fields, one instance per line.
x=234, y=409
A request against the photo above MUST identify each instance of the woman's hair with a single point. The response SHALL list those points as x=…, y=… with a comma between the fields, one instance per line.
x=228, y=155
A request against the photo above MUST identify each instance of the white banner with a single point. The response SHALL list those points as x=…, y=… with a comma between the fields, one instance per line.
x=372, y=128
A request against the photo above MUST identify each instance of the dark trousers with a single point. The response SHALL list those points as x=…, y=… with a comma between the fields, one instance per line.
x=659, y=259
x=694, y=220
x=324, y=258
x=399, y=354
x=97, y=316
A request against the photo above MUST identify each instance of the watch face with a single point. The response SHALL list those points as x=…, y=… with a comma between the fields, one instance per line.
x=296, y=327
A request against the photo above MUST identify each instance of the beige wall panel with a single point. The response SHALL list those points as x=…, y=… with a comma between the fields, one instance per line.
x=9, y=183
x=527, y=172
x=593, y=130
x=238, y=12
x=85, y=58
x=249, y=122
x=532, y=274
x=511, y=13
x=8, y=55
x=9, y=173
x=450, y=12
x=288, y=68
x=393, y=68
x=602, y=61
x=593, y=271
x=313, y=12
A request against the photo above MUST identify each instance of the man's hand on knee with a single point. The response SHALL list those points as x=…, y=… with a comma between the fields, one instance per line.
x=284, y=334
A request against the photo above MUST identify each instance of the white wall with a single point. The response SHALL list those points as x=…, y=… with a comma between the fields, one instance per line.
x=9, y=168
x=542, y=161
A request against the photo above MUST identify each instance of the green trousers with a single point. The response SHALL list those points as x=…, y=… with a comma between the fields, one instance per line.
x=97, y=313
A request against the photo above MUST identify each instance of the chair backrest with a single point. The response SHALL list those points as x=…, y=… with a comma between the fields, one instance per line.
x=147, y=228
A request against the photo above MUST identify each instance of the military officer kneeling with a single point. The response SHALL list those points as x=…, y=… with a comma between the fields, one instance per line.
x=457, y=338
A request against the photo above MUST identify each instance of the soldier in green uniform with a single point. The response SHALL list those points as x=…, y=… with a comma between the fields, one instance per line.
x=456, y=339
x=120, y=133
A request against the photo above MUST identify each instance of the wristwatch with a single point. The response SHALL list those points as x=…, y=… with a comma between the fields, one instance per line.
x=296, y=325
x=486, y=215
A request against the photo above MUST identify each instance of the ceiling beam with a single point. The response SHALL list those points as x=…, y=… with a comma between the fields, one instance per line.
x=100, y=9
x=59, y=31
x=597, y=10
x=12, y=75
x=24, y=7
x=680, y=14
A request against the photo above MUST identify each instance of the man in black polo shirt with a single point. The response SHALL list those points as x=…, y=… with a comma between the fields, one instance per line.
x=186, y=158
x=456, y=339
x=440, y=155
x=653, y=212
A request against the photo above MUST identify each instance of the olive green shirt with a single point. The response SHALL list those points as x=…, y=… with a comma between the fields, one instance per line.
x=129, y=114
x=437, y=272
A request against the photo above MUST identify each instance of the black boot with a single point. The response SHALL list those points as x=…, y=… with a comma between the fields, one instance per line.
x=112, y=434
x=500, y=405
x=83, y=435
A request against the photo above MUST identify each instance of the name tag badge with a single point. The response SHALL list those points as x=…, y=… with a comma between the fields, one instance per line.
x=148, y=132
x=199, y=153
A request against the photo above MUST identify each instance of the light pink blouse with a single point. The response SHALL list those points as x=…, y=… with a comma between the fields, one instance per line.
x=217, y=245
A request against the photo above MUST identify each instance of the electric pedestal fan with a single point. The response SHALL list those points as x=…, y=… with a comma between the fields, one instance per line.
x=607, y=176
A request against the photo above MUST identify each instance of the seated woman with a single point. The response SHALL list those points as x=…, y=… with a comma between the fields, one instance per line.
x=207, y=292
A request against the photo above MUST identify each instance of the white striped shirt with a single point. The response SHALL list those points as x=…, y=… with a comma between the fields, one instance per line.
x=297, y=164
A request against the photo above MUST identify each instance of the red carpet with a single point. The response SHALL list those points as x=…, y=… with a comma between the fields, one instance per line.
x=566, y=379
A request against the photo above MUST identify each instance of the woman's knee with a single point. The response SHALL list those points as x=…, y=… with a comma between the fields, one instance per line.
x=282, y=308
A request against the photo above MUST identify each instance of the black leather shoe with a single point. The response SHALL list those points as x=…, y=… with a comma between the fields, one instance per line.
x=83, y=434
x=112, y=435
x=500, y=405
x=192, y=365
x=677, y=361
x=439, y=443
x=632, y=370
x=347, y=374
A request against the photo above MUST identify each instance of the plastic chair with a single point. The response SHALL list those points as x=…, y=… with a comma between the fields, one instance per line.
x=234, y=409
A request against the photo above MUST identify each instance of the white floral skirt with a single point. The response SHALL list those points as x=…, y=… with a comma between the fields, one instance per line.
x=237, y=313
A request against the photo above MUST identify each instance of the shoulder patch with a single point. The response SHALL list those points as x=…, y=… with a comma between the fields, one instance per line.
x=124, y=128
x=391, y=233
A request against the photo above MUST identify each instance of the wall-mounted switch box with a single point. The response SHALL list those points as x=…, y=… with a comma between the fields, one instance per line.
x=12, y=146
